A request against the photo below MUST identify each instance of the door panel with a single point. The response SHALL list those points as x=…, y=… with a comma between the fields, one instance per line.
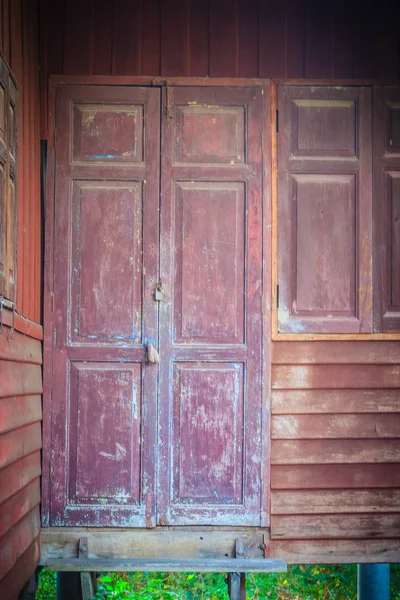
x=324, y=210
x=210, y=319
x=105, y=271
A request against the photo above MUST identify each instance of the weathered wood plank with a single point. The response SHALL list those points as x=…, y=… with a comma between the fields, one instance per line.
x=19, y=411
x=336, y=352
x=172, y=565
x=19, y=474
x=19, y=505
x=304, y=502
x=335, y=401
x=335, y=526
x=334, y=551
x=364, y=426
x=20, y=442
x=334, y=451
x=18, y=539
x=18, y=378
x=20, y=348
x=335, y=376
x=14, y=580
x=335, y=476
x=62, y=543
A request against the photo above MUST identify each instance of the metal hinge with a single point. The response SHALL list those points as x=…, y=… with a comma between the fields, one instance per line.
x=277, y=296
x=52, y=296
x=277, y=121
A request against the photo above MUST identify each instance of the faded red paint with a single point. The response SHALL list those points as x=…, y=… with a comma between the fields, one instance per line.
x=106, y=203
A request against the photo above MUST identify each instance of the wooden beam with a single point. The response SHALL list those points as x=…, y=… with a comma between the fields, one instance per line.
x=171, y=565
x=61, y=543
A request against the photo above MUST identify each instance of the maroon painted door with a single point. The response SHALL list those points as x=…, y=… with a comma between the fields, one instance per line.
x=210, y=319
x=105, y=269
x=194, y=420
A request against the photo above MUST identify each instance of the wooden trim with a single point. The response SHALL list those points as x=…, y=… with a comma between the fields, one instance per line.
x=314, y=337
x=274, y=207
x=62, y=542
x=266, y=309
x=22, y=324
x=171, y=565
x=47, y=303
x=336, y=352
x=209, y=81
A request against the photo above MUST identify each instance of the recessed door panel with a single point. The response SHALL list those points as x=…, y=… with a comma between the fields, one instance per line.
x=209, y=262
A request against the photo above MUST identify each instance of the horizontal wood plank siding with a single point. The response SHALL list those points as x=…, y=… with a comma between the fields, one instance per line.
x=335, y=440
x=20, y=461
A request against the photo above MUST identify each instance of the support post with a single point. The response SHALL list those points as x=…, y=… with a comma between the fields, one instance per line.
x=237, y=581
x=373, y=582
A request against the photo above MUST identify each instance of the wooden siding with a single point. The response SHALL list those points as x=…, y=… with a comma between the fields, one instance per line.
x=19, y=46
x=20, y=443
x=335, y=441
x=225, y=38
x=21, y=353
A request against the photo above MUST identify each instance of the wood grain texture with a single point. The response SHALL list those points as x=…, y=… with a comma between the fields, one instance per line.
x=16, y=507
x=295, y=452
x=17, y=540
x=20, y=442
x=18, y=378
x=335, y=401
x=337, y=377
x=18, y=474
x=335, y=526
x=303, y=502
x=19, y=574
x=20, y=348
x=62, y=543
x=335, y=476
x=334, y=551
x=366, y=426
x=336, y=352
x=18, y=411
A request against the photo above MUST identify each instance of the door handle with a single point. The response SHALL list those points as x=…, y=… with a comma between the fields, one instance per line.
x=152, y=355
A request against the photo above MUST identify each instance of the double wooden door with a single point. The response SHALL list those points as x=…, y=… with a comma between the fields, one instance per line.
x=157, y=240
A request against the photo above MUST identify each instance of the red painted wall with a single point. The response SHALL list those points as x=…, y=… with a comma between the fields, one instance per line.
x=21, y=353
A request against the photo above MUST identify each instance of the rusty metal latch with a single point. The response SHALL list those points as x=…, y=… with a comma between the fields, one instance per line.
x=152, y=355
x=159, y=292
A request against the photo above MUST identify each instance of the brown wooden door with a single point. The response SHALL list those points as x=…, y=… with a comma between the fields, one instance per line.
x=210, y=320
x=105, y=269
x=109, y=436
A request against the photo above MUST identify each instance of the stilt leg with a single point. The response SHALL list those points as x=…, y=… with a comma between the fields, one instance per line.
x=373, y=582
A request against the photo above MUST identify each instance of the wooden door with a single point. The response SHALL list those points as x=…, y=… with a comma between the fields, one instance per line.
x=105, y=270
x=210, y=319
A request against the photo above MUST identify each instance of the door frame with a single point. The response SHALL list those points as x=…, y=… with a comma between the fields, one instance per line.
x=268, y=116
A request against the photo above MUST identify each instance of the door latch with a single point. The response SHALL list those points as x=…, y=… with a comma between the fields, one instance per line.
x=159, y=292
x=152, y=355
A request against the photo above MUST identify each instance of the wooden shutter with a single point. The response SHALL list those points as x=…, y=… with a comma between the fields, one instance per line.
x=8, y=148
x=324, y=209
x=387, y=209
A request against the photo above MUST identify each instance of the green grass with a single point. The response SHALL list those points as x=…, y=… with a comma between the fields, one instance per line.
x=326, y=582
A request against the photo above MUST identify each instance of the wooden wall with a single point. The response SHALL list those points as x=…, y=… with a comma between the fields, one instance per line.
x=18, y=44
x=219, y=38
x=335, y=447
x=21, y=353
